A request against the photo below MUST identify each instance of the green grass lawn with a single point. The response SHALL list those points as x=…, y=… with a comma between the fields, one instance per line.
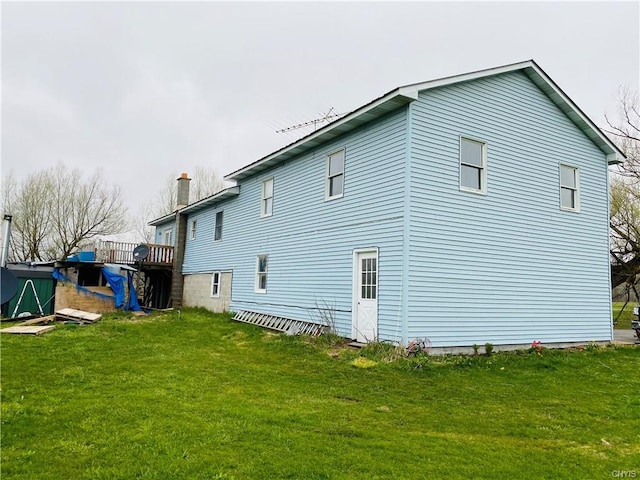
x=624, y=320
x=198, y=396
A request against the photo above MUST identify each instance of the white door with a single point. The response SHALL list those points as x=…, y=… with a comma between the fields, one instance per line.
x=365, y=318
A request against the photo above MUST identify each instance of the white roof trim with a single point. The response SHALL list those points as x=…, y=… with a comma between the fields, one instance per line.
x=215, y=198
x=465, y=77
x=164, y=219
x=549, y=87
x=195, y=206
x=364, y=114
x=614, y=154
x=403, y=95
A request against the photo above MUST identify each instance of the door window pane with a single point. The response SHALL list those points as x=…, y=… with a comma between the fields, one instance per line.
x=368, y=278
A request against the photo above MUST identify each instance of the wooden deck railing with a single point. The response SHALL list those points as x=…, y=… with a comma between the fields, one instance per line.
x=122, y=252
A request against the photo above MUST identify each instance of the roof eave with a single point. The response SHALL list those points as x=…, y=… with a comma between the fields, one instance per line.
x=215, y=198
x=199, y=205
x=538, y=76
x=551, y=89
x=387, y=103
x=164, y=219
x=404, y=95
x=614, y=159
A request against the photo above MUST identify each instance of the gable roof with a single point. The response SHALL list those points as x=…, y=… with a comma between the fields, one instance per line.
x=198, y=205
x=404, y=95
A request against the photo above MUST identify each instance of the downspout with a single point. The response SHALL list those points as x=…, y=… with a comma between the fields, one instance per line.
x=6, y=237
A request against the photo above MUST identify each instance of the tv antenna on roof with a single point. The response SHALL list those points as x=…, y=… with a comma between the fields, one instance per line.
x=327, y=117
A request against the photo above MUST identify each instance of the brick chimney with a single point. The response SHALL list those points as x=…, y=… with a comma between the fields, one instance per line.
x=183, y=191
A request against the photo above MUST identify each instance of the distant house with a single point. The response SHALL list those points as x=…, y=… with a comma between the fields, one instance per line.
x=463, y=210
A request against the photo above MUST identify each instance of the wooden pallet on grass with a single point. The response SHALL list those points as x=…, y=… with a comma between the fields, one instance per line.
x=77, y=315
x=28, y=329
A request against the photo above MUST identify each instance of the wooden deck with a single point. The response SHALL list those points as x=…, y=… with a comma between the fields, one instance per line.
x=122, y=252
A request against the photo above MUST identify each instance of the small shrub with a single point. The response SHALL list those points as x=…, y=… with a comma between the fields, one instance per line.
x=419, y=360
x=476, y=348
x=488, y=348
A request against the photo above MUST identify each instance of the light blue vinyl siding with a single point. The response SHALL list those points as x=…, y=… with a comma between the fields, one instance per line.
x=508, y=267
x=310, y=240
x=160, y=229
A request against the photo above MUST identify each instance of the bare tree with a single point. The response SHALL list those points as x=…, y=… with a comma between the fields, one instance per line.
x=205, y=182
x=626, y=132
x=55, y=211
x=625, y=193
x=142, y=232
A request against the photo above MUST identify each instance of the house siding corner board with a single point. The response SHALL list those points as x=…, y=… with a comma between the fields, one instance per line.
x=310, y=240
x=503, y=267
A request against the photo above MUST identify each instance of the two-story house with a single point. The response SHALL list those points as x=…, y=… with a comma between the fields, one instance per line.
x=463, y=210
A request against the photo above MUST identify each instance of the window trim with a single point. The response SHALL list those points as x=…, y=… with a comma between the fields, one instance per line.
x=219, y=283
x=327, y=178
x=192, y=230
x=167, y=232
x=483, y=168
x=263, y=213
x=216, y=237
x=256, y=285
x=576, y=190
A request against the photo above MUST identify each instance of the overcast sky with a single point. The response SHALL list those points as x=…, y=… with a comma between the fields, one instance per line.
x=147, y=89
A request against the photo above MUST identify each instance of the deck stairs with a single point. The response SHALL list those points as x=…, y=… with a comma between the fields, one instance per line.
x=281, y=324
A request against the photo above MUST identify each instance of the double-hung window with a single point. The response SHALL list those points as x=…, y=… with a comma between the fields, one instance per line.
x=267, y=198
x=193, y=230
x=261, y=273
x=569, y=188
x=335, y=175
x=218, y=228
x=473, y=165
x=215, y=284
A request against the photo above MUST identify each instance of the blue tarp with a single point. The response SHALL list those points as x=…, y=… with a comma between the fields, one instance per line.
x=133, y=304
x=58, y=275
x=116, y=282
